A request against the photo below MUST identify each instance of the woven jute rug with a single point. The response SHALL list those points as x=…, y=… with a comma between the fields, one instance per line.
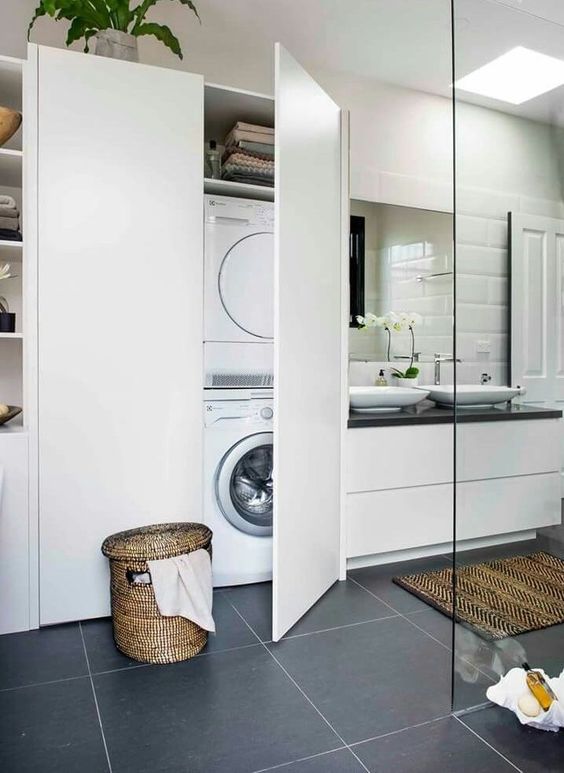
x=498, y=598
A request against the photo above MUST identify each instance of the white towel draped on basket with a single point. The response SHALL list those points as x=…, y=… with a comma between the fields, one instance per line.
x=183, y=587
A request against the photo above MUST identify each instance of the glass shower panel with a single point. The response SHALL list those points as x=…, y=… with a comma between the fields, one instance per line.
x=509, y=284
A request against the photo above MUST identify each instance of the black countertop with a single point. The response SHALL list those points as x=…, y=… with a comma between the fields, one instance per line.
x=428, y=413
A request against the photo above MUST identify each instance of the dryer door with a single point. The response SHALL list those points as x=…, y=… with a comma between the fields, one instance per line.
x=246, y=284
x=243, y=485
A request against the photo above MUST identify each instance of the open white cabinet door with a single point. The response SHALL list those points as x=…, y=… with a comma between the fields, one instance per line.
x=537, y=306
x=308, y=336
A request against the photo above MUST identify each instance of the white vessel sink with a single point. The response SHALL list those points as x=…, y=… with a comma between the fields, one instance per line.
x=372, y=399
x=470, y=395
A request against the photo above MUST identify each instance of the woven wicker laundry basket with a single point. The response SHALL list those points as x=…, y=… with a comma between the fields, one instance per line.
x=140, y=631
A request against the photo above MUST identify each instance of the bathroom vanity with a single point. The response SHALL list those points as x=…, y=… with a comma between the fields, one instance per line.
x=400, y=470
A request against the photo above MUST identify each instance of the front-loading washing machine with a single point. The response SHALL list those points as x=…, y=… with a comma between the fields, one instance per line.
x=238, y=489
x=239, y=292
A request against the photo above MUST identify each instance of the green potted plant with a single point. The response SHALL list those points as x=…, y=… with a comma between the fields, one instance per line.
x=113, y=23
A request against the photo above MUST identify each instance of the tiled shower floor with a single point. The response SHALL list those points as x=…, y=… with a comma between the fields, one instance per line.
x=361, y=683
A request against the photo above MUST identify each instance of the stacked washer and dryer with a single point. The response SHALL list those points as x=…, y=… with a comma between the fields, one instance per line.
x=239, y=377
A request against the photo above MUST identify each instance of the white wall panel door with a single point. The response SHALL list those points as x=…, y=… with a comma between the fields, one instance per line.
x=537, y=306
x=308, y=376
x=120, y=313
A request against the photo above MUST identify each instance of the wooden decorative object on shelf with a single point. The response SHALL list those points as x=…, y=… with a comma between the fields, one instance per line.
x=13, y=411
x=10, y=122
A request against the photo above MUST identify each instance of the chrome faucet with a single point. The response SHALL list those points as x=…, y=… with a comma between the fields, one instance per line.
x=438, y=358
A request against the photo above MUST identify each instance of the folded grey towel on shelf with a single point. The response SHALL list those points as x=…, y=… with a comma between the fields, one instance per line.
x=257, y=147
x=6, y=211
x=238, y=135
x=7, y=201
x=253, y=127
x=10, y=236
x=9, y=223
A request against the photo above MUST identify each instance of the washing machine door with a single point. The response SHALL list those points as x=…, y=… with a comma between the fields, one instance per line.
x=246, y=284
x=243, y=485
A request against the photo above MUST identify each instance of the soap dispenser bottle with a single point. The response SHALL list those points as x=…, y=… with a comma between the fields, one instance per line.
x=213, y=161
x=381, y=380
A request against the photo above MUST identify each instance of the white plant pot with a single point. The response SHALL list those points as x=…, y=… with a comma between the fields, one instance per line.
x=117, y=45
x=406, y=382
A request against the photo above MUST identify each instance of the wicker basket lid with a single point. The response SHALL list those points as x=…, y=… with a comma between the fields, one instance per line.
x=162, y=540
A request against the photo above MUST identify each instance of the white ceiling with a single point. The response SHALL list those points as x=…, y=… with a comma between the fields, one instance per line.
x=406, y=42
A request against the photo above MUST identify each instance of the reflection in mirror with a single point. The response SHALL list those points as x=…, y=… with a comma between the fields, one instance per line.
x=401, y=261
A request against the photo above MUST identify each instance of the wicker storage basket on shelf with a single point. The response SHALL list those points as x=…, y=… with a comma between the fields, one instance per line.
x=140, y=631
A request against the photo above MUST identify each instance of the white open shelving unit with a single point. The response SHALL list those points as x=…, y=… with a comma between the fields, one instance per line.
x=223, y=107
x=11, y=182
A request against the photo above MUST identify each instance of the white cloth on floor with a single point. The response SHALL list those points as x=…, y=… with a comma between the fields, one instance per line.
x=513, y=685
x=183, y=587
x=7, y=201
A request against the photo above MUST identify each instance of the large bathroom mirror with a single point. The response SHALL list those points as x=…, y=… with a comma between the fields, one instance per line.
x=400, y=261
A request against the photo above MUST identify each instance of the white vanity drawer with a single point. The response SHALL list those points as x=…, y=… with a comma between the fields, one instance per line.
x=488, y=507
x=400, y=519
x=499, y=449
x=395, y=457
x=397, y=519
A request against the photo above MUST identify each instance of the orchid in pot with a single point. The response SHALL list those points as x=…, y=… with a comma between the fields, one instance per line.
x=397, y=322
x=408, y=377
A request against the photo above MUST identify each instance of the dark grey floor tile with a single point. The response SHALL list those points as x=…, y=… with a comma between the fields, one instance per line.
x=543, y=649
x=434, y=623
x=378, y=580
x=45, y=655
x=444, y=746
x=342, y=761
x=234, y=712
x=104, y=655
x=532, y=751
x=51, y=728
x=344, y=603
x=254, y=602
x=371, y=679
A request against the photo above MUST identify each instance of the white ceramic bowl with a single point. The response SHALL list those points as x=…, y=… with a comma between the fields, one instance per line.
x=373, y=399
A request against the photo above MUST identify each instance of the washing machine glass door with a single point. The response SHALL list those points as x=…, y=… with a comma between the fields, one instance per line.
x=243, y=485
x=246, y=284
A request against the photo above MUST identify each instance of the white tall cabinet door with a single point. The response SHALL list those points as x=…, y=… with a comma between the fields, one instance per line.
x=120, y=313
x=537, y=306
x=308, y=363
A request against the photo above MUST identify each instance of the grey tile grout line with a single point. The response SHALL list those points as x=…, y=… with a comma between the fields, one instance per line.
x=308, y=699
x=483, y=740
x=407, y=620
x=335, y=628
x=95, y=700
x=44, y=684
x=117, y=670
x=302, y=759
x=402, y=730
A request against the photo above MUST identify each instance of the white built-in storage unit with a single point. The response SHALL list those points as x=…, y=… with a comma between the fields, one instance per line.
x=18, y=514
x=119, y=203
